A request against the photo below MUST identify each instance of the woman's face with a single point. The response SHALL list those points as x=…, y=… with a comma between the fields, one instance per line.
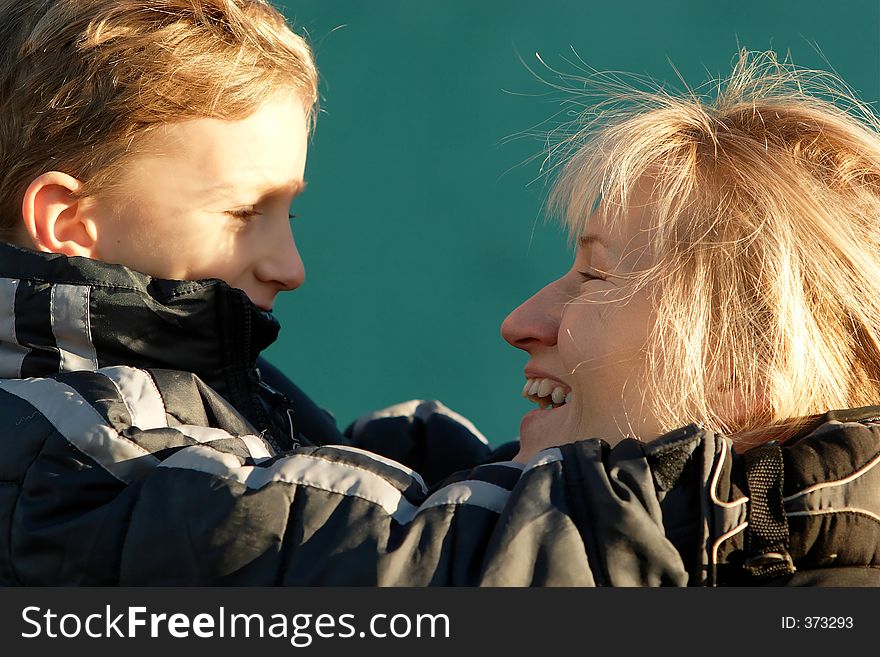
x=586, y=334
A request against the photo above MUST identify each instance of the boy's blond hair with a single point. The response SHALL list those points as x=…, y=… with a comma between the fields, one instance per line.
x=83, y=81
x=765, y=224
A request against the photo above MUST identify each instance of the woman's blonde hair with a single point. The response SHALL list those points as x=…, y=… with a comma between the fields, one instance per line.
x=82, y=81
x=765, y=226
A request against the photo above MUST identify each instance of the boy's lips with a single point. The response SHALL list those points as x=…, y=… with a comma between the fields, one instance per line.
x=263, y=304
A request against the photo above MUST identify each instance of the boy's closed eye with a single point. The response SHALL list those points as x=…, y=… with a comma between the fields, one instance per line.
x=248, y=214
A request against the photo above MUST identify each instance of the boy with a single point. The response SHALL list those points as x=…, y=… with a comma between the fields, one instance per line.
x=197, y=116
x=151, y=150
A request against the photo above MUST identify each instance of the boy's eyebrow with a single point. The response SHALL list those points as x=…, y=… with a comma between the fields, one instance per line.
x=294, y=187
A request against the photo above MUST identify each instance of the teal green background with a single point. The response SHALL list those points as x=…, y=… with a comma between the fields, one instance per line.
x=422, y=225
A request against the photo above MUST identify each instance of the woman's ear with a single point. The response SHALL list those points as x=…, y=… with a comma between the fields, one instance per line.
x=56, y=219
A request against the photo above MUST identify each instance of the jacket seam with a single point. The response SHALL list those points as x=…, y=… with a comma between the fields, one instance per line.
x=857, y=473
x=109, y=286
x=847, y=511
x=357, y=466
x=581, y=514
x=128, y=520
x=287, y=545
x=182, y=292
x=12, y=568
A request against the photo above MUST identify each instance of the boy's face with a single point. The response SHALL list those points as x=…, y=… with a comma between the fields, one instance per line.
x=211, y=199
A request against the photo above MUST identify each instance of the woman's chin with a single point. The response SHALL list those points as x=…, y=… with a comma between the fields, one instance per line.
x=545, y=427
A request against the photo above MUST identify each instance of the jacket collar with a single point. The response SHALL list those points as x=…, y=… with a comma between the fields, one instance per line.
x=60, y=314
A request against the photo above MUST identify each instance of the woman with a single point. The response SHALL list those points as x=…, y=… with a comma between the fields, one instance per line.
x=727, y=273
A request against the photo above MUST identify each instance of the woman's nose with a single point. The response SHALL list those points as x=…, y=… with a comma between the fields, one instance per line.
x=535, y=322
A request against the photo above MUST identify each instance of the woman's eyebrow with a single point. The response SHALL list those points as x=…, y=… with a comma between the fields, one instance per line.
x=587, y=240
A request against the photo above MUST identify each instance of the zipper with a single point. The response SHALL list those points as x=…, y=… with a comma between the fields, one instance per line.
x=254, y=380
x=279, y=399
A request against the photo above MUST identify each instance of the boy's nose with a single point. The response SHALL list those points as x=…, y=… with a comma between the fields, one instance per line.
x=282, y=266
x=535, y=322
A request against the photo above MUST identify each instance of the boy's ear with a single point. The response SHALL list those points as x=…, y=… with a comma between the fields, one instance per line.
x=55, y=219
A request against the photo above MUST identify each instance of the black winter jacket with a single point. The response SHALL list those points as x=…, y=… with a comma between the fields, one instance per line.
x=139, y=449
x=66, y=314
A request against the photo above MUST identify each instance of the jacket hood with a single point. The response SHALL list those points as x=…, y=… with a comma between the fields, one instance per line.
x=60, y=314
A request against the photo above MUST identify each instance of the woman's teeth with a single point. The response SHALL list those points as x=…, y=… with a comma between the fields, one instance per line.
x=545, y=393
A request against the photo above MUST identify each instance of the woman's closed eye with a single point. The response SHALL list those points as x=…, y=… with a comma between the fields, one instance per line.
x=589, y=276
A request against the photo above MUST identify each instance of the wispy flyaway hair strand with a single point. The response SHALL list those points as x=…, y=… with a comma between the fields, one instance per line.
x=765, y=232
